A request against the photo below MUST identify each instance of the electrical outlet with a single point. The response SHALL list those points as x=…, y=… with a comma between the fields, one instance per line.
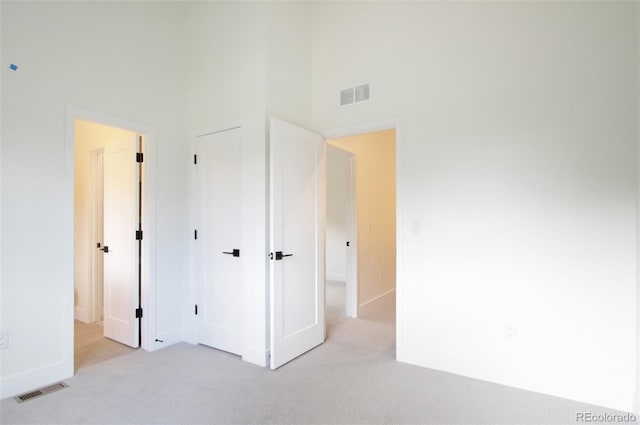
x=510, y=332
x=4, y=340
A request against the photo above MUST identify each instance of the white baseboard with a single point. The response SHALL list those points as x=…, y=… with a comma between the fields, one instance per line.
x=375, y=302
x=337, y=277
x=163, y=340
x=256, y=356
x=33, y=379
x=81, y=315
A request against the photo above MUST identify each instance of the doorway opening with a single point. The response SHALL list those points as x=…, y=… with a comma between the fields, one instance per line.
x=361, y=227
x=108, y=193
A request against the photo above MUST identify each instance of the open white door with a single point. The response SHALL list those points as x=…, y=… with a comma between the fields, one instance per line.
x=219, y=232
x=297, y=241
x=121, y=249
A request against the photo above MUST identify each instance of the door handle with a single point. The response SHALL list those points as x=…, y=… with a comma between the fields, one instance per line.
x=104, y=249
x=235, y=252
x=280, y=255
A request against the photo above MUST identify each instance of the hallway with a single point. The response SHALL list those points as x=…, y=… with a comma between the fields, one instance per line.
x=91, y=347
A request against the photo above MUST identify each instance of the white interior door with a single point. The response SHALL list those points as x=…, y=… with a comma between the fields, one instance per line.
x=297, y=241
x=121, y=220
x=219, y=232
x=97, y=234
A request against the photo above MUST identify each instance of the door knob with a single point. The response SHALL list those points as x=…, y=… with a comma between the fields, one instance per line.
x=235, y=252
x=104, y=249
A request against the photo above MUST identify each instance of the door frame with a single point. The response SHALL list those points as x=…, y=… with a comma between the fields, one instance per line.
x=351, y=289
x=369, y=127
x=149, y=338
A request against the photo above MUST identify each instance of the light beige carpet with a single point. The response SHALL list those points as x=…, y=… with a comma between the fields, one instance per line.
x=350, y=379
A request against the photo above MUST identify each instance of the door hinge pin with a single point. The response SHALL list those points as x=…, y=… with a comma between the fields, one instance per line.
x=139, y=157
x=138, y=235
x=139, y=313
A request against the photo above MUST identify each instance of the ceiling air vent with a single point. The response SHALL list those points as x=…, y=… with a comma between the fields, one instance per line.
x=355, y=94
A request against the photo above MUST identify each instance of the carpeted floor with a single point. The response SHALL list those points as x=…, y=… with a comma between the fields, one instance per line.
x=351, y=379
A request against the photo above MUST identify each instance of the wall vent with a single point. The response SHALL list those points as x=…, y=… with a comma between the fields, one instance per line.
x=356, y=94
x=41, y=392
x=346, y=97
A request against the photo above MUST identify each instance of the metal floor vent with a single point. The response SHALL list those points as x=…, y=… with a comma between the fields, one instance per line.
x=41, y=392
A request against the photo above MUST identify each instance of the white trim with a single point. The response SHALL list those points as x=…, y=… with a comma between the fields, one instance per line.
x=256, y=356
x=218, y=128
x=338, y=277
x=82, y=315
x=373, y=302
x=34, y=378
x=148, y=222
x=355, y=129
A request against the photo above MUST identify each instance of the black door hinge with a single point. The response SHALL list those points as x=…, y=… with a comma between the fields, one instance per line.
x=195, y=234
x=139, y=157
x=195, y=159
x=139, y=313
x=196, y=309
x=138, y=235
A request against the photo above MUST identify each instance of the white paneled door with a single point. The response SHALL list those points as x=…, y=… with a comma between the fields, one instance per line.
x=121, y=249
x=297, y=159
x=218, y=236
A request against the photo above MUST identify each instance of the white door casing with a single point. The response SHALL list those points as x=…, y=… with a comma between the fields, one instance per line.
x=121, y=220
x=218, y=243
x=297, y=200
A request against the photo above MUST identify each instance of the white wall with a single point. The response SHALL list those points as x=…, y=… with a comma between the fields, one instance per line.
x=288, y=61
x=375, y=160
x=517, y=152
x=89, y=137
x=122, y=59
x=247, y=61
x=338, y=181
x=226, y=73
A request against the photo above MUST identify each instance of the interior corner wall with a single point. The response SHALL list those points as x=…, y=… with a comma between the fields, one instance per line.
x=375, y=159
x=517, y=181
x=248, y=61
x=226, y=72
x=288, y=62
x=68, y=53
